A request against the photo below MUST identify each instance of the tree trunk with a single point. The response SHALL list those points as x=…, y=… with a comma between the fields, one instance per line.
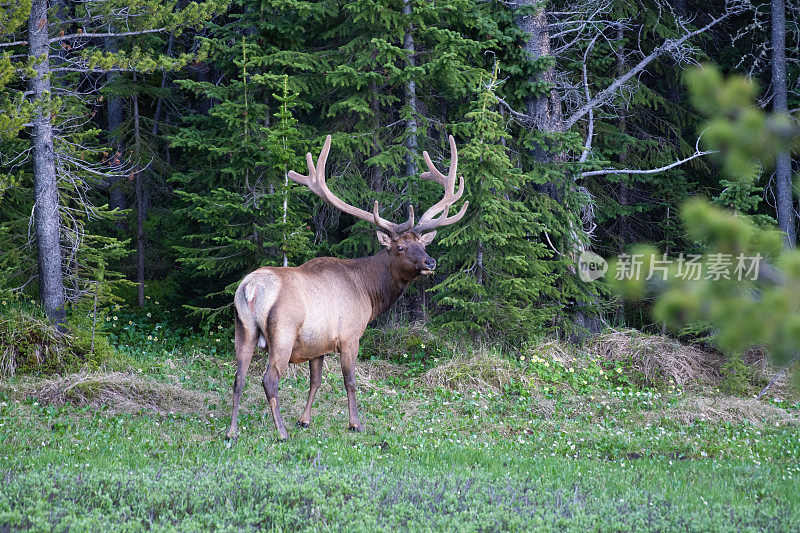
x=167, y=154
x=46, y=215
x=477, y=337
x=546, y=116
x=160, y=101
x=544, y=109
x=115, y=115
x=623, y=153
x=140, y=209
x=417, y=303
x=411, y=97
x=479, y=263
x=375, y=171
x=204, y=74
x=285, y=207
x=623, y=226
x=783, y=165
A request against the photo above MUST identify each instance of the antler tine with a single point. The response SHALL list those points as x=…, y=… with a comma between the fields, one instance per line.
x=432, y=173
x=397, y=229
x=312, y=181
x=429, y=219
x=315, y=181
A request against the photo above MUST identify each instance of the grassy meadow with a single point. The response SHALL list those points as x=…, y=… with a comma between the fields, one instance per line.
x=544, y=438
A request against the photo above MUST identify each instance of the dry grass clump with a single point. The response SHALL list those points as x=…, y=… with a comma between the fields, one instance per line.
x=729, y=409
x=657, y=358
x=482, y=372
x=554, y=350
x=122, y=392
x=371, y=371
x=757, y=359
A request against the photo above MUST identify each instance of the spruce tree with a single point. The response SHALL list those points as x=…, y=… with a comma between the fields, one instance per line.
x=498, y=283
x=385, y=93
x=60, y=157
x=239, y=208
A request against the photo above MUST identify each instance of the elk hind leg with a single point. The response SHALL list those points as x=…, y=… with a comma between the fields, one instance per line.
x=349, y=354
x=279, y=354
x=314, y=381
x=245, y=343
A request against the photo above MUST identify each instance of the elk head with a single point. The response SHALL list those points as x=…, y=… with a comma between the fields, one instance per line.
x=406, y=241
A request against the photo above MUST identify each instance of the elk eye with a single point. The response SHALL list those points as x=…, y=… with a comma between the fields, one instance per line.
x=400, y=248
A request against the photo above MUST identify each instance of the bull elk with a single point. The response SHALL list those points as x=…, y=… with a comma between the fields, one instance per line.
x=324, y=305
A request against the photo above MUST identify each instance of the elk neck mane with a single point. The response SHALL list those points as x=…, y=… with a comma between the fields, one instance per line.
x=381, y=286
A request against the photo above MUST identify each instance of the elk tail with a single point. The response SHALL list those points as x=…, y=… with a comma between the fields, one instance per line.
x=253, y=302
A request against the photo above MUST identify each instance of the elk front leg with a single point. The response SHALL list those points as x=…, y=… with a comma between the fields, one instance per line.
x=278, y=361
x=245, y=343
x=349, y=355
x=315, y=380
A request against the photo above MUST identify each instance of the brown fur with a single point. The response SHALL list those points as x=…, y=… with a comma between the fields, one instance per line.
x=322, y=306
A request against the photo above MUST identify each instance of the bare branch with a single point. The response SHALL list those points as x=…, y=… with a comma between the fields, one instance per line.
x=649, y=171
x=587, y=147
x=107, y=34
x=521, y=117
x=89, y=36
x=667, y=47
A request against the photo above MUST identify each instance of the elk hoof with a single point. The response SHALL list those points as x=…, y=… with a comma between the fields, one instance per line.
x=302, y=424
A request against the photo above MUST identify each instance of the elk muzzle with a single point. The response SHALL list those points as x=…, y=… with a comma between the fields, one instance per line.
x=430, y=266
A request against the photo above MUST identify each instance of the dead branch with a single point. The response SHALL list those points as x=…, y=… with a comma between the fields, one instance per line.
x=668, y=46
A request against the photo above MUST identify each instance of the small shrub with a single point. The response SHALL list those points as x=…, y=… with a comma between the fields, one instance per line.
x=152, y=329
x=735, y=375
x=416, y=348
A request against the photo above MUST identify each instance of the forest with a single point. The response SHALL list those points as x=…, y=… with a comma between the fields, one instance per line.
x=608, y=339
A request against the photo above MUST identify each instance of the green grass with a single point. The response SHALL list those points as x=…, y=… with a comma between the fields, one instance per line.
x=578, y=456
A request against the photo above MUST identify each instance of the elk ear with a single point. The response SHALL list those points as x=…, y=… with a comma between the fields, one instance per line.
x=384, y=239
x=427, y=238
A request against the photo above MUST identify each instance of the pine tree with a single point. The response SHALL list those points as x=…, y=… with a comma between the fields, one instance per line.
x=392, y=69
x=498, y=283
x=239, y=207
x=64, y=163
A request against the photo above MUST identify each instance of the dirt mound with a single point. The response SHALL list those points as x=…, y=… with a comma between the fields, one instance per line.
x=120, y=391
x=657, y=358
x=729, y=409
x=483, y=372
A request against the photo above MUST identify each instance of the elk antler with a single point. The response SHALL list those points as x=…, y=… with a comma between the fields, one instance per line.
x=316, y=182
x=428, y=221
